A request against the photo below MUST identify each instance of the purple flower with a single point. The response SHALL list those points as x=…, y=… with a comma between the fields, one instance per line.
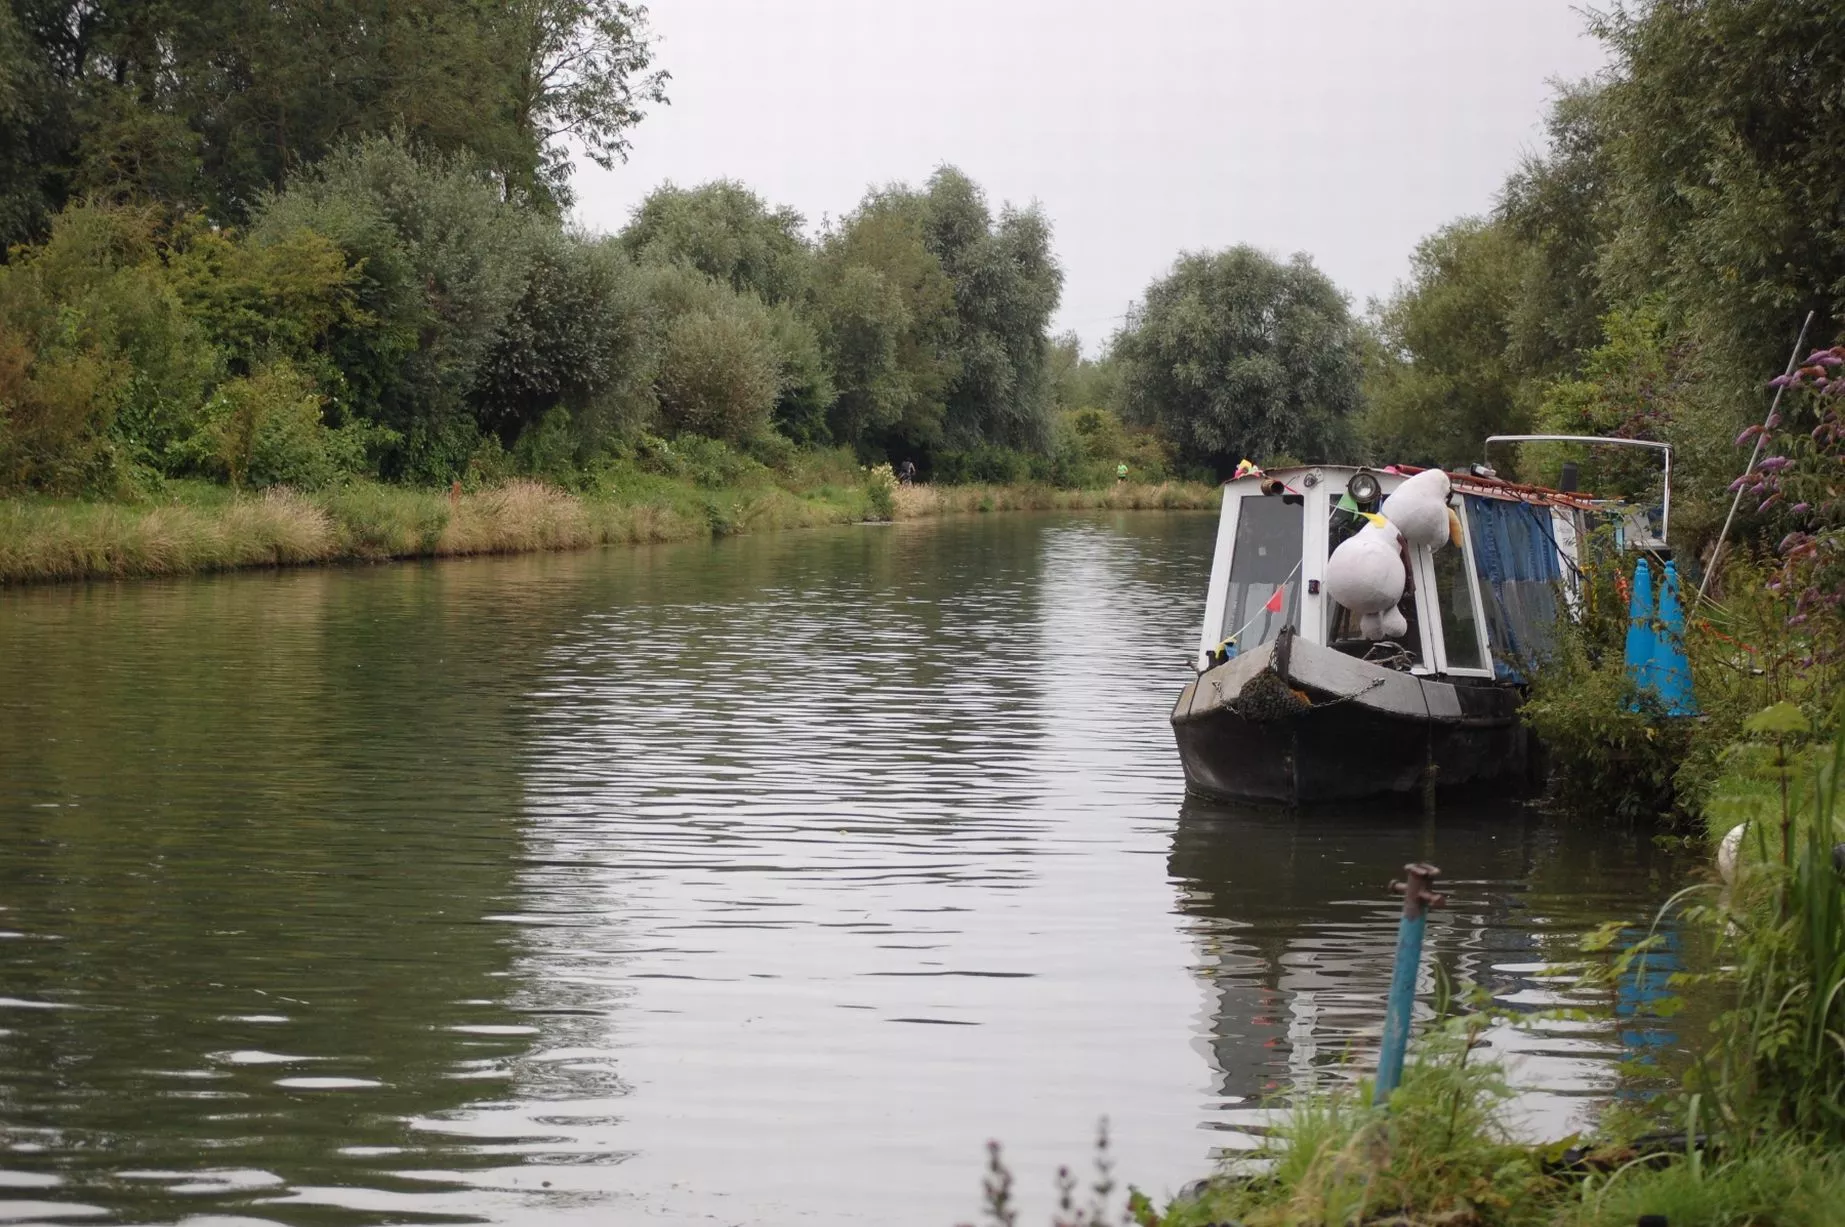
x=1826, y=357
x=1782, y=381
x=1801, y=508
x=1774, y=464
x=1774, y=420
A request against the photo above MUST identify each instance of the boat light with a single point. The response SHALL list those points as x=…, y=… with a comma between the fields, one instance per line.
x=1363, y=487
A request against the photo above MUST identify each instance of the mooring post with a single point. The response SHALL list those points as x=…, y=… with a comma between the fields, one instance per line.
x=1418, y=898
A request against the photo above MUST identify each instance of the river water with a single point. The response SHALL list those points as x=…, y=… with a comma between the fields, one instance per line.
x=759, y=881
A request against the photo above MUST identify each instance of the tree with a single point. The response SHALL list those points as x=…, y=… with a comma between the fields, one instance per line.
x=215, y=103
x=577, y=339
x=1442, y=377
x=446, y=262
x=1726, y=146
x=1006, y=288
x=1234, y=354
x=34, y=130
x=719, y=367
x=886, y=317
x=579, y=72
x=1078, y=381
x=1555, y=206
x=725, y=231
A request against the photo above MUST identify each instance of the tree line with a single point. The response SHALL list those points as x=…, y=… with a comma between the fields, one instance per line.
x=281, y=243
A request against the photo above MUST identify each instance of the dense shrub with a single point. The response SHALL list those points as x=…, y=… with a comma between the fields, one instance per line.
x=718, y=375
x=986, y=464
x=268, y=430
x=1610, y=749
x=107, y=367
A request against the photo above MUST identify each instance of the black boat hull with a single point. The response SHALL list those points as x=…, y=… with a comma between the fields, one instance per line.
x=1295, y=723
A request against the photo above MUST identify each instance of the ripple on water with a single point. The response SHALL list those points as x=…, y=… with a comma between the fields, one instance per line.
x=613, y=872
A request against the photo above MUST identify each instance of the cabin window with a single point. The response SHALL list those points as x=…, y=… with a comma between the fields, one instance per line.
x=1342, y=625
x=1266, y=559
x=1460, y=630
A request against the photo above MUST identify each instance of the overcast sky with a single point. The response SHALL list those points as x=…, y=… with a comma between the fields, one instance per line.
x=1346, y=129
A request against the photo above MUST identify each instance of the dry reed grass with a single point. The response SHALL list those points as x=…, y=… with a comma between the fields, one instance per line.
x=56, y=540
x=918, y=502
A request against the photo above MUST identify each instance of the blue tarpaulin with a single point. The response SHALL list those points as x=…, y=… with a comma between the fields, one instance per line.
x=1515, y=553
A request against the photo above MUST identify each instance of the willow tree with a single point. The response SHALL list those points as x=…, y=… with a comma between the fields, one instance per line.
x=1236, y=355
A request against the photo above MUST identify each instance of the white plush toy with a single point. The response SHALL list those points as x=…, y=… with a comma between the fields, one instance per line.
x=1365, y=574
x=1391, y=624
x=1419, y=508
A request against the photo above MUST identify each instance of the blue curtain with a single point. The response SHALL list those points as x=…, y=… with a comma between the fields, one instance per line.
x=1515, y=553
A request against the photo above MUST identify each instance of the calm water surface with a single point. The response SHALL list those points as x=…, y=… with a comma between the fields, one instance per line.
x=753, y=882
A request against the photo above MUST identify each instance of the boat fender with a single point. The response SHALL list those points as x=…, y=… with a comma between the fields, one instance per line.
x=1419, y=508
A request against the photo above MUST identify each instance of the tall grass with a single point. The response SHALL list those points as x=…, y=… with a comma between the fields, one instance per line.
x=914, y=502
x=1778, y=1062
x=1441, y=1153
x=207, y=528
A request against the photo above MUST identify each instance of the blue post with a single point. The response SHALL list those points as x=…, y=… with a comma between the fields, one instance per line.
x=1641, y=646
x=1417, y=900
x=1671, y=666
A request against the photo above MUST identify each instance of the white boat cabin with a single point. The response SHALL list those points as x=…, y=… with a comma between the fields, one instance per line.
x=1476, y=611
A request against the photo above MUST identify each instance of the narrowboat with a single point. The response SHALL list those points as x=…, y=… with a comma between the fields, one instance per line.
x=1300, y=699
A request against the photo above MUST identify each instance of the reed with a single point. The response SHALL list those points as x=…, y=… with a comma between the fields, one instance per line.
x=915, y=502
x=206, y=528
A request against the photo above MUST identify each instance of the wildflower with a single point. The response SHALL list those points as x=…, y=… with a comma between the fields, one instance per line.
x=1774, y=464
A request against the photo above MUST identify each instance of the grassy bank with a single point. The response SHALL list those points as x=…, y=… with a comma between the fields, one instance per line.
x=197, y=527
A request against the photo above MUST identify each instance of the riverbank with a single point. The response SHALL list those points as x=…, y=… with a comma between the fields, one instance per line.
x=1747, y=1134
x=197, y=527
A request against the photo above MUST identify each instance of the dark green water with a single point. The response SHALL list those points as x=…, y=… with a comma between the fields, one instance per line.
x=754, y=882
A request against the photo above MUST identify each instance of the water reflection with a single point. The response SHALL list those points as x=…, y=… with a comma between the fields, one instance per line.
x=760, y=881
x=1299, y=938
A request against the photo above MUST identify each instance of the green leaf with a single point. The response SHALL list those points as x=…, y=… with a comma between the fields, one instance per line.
x=1781, y=720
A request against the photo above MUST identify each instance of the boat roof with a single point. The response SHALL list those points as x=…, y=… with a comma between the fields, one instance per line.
x=1467, y=483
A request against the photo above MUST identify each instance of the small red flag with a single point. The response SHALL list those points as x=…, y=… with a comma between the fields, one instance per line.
x=1274, y=602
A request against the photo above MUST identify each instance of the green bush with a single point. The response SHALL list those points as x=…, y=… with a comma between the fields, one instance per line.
x=717, y=377
x=881, y=490
x=547, y=448
x=1610, y=749
x=105, y=369
x=268, y=431
x=986, y=464
x=706, y=462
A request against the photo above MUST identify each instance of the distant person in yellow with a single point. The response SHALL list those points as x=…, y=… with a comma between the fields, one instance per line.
x=1121, y=472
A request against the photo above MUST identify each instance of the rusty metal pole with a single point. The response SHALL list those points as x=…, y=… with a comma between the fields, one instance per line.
x=1418, y=898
